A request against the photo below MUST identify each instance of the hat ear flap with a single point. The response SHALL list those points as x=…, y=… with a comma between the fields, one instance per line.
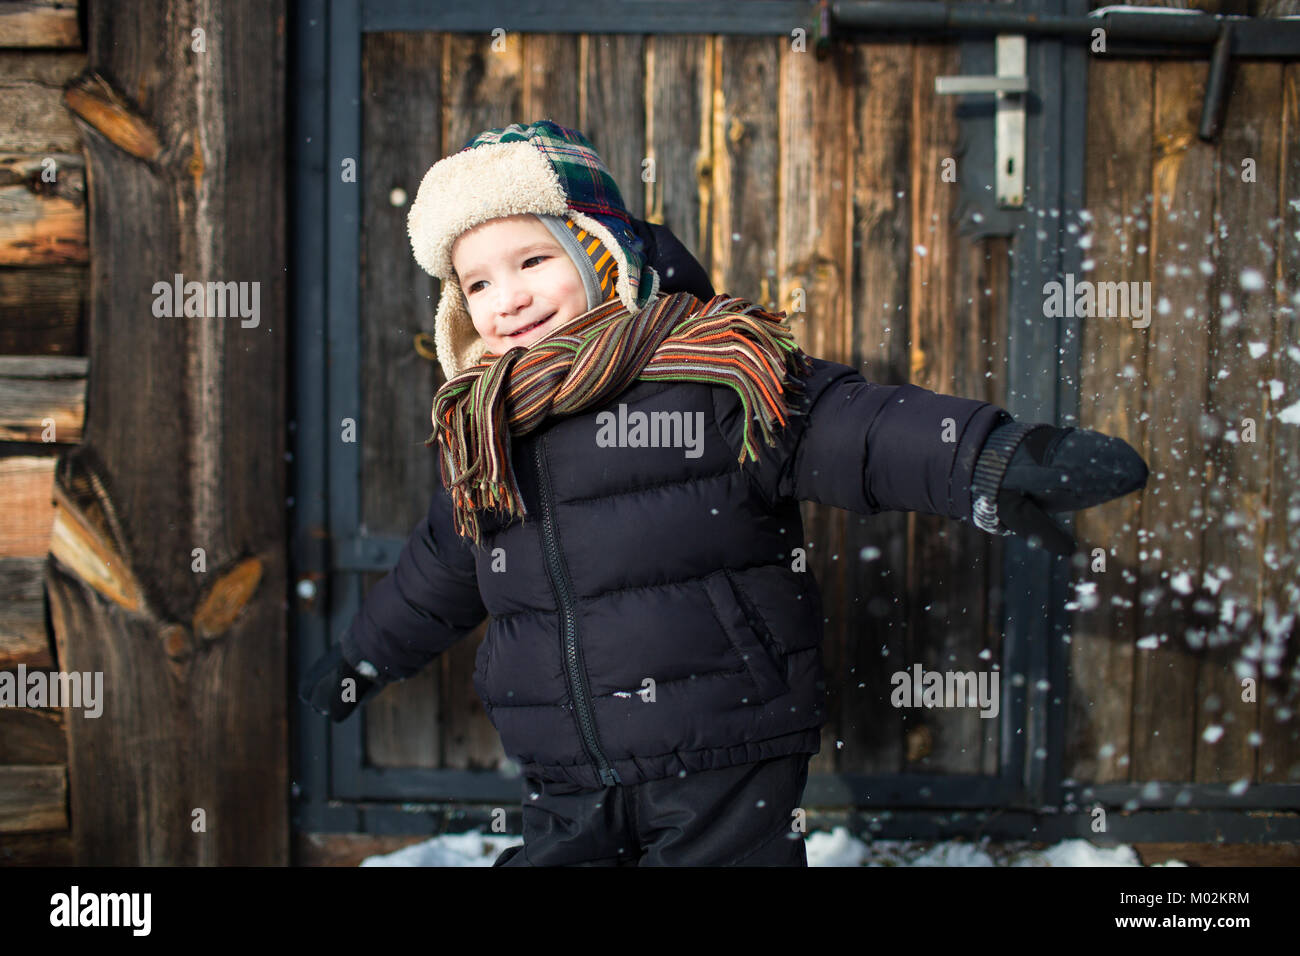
x=458, y=343
x=637, y=284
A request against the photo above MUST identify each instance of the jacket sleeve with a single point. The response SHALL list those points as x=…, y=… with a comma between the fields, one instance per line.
x=425, y=604
x=870, y=448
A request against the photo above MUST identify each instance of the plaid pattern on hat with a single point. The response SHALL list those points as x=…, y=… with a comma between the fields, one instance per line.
x=585, y=179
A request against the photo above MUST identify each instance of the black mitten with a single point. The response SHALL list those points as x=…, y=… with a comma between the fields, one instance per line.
x=1026, y=470
x=335, y=688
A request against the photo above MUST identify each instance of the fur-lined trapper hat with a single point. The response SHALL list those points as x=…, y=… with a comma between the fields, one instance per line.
x=542, y=168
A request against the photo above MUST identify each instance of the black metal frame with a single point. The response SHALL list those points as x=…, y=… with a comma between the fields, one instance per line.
x=334, y=793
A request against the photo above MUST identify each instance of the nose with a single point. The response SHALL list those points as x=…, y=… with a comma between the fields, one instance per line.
x=512, y=295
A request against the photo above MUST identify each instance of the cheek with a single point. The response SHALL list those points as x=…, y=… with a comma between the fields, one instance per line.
x=481, y=325
x=577, y=293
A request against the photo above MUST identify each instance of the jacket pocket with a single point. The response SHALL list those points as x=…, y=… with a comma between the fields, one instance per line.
x=746, y=632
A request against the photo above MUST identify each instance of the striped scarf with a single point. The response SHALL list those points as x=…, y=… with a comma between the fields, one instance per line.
x=726, y=341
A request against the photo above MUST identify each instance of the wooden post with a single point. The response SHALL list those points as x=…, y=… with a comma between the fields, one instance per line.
x=169, y=547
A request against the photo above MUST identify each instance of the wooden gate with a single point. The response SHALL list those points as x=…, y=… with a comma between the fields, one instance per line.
x=812, y=183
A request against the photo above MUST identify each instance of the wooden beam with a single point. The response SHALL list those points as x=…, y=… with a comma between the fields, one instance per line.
x=23, y=637
x=171, y=510
x=40, y=23
x=346, y=849
x=1220, y=854
x=43, y=198
x=45, y=848
x=33, y=797
x=41, y=310
x=32, y=117
x=42, y=398
x=33, y=735
x=26, y=506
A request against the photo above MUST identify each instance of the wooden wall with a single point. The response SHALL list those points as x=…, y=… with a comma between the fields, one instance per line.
x=43, y=288
x=162, y=165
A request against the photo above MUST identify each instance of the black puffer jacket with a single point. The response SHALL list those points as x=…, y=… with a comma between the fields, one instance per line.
x=658, y=564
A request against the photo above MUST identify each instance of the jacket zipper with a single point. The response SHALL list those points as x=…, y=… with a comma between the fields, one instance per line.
x=578, y=687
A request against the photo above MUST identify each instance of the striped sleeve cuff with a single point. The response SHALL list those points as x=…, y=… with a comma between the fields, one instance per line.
x=990, y=468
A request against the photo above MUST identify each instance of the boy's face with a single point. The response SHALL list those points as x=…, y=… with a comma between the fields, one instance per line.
x=515, y=275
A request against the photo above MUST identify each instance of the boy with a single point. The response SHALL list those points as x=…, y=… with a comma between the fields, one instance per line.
x=622, y=471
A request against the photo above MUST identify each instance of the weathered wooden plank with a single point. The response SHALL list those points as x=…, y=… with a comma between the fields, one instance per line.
x=946, y=625
x=23, y=635
x=26, y=505
x=482, y=89
x=42, y=399
x=1111, y=393
x=812, y=259
x=1173, y=511
x=1238, y=409
x=679, y=126
x=552, y=70
x=1279, y=751
x=40, y=23
x=876, y=547
x=402, y=84
x=33, y=118
x=743, y=169
x=46, y=848
x=1220, y=854
x=346, y=849
x=33, y=797
x=187, y=451
x=41, y=310
x=613, y=109
x=813, y=196
x=42, y=209
x=33, y=735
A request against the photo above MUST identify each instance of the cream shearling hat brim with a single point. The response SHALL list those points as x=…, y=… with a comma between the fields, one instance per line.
x=475, y=186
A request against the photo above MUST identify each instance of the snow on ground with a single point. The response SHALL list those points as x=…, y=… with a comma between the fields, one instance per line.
x=837, y=848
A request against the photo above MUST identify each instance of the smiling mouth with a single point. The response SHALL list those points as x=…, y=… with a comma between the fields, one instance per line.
x=535, y=325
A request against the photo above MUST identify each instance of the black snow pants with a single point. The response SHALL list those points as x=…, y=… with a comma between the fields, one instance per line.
x=735, y=816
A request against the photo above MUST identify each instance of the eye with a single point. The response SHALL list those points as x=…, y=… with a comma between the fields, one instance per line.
x=470, y=290
x=534, y=258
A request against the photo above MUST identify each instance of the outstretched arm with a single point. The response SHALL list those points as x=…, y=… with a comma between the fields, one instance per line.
x=870, y=448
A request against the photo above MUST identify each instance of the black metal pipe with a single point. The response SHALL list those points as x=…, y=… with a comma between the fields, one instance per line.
x=925, y=15
x=1216, y=85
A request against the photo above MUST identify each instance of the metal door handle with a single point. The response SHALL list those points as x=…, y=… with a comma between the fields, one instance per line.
x=1009, y=85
